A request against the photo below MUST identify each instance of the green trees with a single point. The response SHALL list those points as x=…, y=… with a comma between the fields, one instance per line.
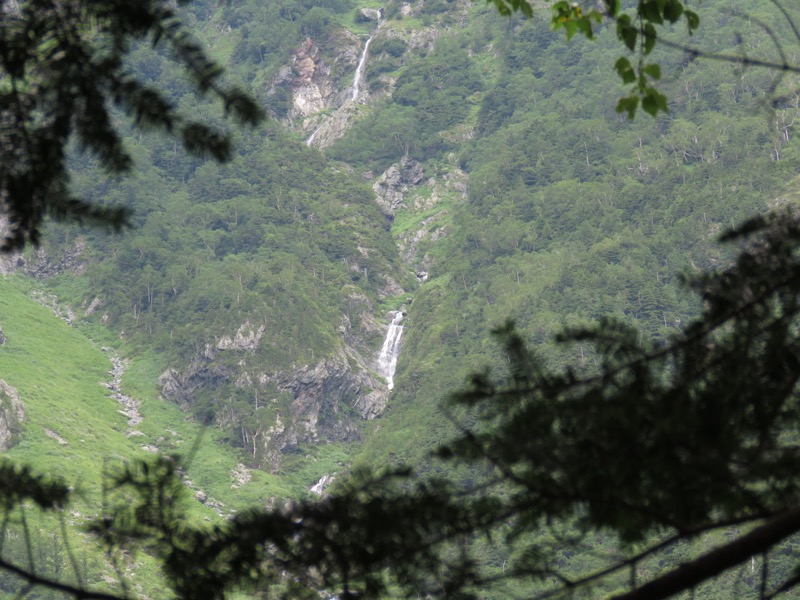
x=63, y=66
x=656, y=442
x=677, y=438
x=685, y=449
x=695, y=452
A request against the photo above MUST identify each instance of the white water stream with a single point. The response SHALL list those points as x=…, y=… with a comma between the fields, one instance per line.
x=387, y=361
x=357, y=78
x=313, y=135
x=360, y=69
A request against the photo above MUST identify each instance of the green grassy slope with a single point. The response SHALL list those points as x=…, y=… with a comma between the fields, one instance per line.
x=58, y=372
x=74, y=431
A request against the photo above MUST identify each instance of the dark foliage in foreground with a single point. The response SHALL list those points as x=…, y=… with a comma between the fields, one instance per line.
x=63, y=68
x=658, y=444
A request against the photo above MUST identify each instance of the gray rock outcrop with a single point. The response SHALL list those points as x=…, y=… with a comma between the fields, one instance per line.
x=12, y=416
x=313, y=90
x=396, y=181
x=371, y=14
x=329, y=128
x=181, y=387
x=313, y=81
x=322, y=402
x=69, y=259
x=246, y=338
x=321, y=395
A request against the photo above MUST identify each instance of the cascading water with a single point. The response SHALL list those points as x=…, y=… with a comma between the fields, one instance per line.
x=387, y=361
x=313, y=135
x=359, y=75
x=360, y=69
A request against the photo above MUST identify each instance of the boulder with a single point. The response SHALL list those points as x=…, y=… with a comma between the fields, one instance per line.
x=371, y=14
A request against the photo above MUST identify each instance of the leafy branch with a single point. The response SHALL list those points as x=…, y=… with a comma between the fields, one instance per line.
x=638, y=32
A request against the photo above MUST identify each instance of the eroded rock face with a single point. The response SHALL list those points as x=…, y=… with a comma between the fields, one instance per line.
x=318, y=79
x=204, y=372
x=319, y=82
x=181, y=387
x=312, y=87
x=12, y=416
x=415, y=243
x=327, y=129
x=326, y=400
x=396, y=181
x=313, y=80
x=41, y=264
x=321, y=397
x=246, y=338
x=371, y=14
x=70, y=260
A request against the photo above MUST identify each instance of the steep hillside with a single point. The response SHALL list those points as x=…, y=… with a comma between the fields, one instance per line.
x=261, y=285
x=428, y=159
x=476, y=155
x=76, y=425
x=540, y=203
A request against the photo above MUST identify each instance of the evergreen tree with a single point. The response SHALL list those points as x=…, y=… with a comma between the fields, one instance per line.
x=63, y=67
x=659, y=444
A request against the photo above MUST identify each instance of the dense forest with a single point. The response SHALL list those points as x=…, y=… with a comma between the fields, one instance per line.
x=481, y=173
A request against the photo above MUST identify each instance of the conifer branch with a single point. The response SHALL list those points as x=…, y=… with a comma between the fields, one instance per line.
x=33, y=579
x=711, y=564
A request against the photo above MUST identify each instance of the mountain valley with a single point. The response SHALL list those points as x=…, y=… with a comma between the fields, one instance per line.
x=428, y=168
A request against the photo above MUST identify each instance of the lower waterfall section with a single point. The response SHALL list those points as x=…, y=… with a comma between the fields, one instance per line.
x=387, y=360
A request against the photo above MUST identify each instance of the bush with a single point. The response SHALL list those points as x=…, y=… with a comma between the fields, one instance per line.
x=316, y=22
x=394, y=47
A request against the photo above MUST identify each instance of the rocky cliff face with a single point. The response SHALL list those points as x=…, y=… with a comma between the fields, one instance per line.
x=404, y=186
x=246, y=338
x=316, y=80
x=312, y=79
x=70, y=258
x=392, y=186
x=319, y=76
x=12, y=416
x=327, y=399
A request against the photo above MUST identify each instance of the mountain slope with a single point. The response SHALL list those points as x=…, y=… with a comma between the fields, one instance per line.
x=481, y=173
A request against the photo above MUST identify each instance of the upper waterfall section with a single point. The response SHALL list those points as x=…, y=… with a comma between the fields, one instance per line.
x=362, y=61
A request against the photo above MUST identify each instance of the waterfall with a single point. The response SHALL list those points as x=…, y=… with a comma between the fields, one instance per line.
x=360, y=70
x=387, y=361
x=362, y=61
x=313, y=135
x=320, y=487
